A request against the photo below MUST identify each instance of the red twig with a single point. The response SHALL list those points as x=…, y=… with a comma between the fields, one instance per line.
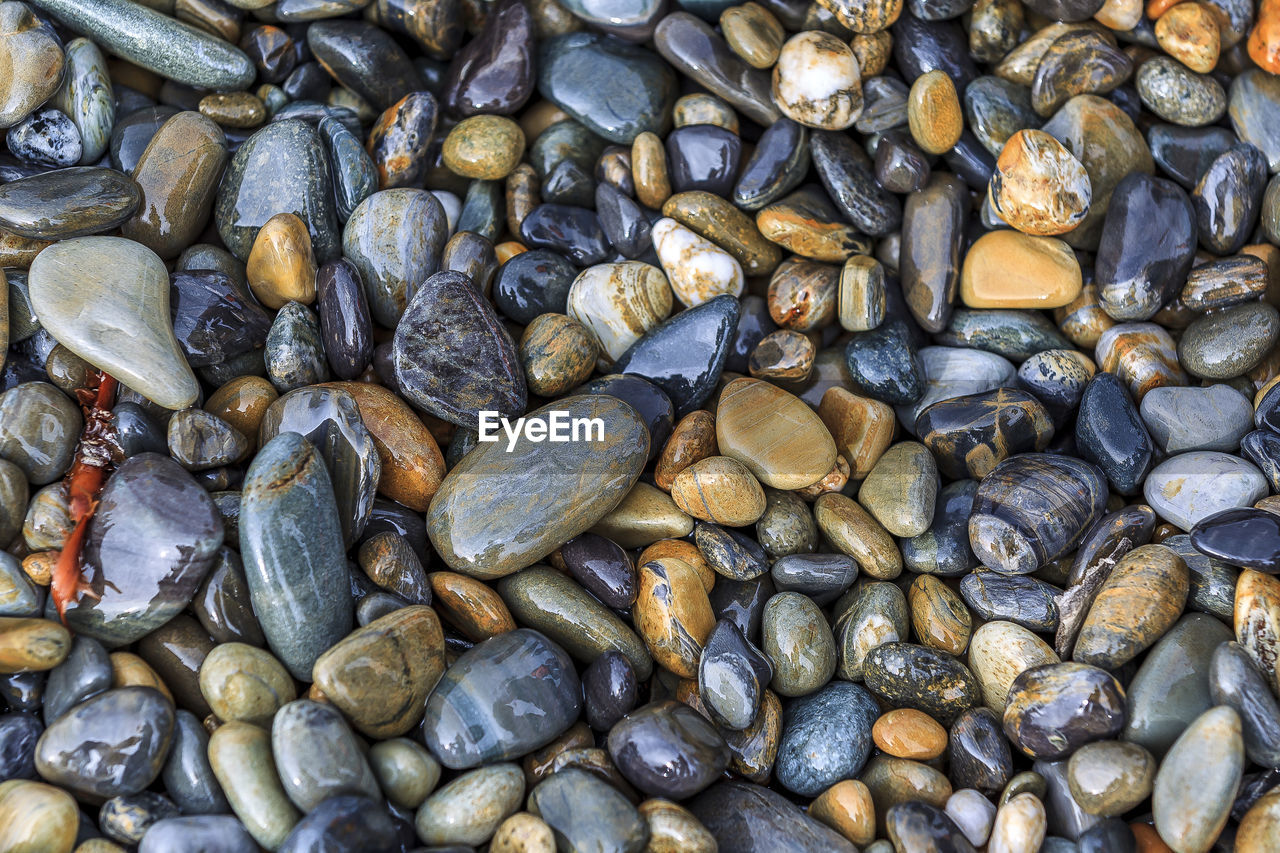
x=98, y=451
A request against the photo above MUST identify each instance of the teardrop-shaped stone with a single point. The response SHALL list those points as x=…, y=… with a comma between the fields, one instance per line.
x=1197, y=781
x=107, y=300
x=452, y=356
x=1137, y=604
x=502, y=509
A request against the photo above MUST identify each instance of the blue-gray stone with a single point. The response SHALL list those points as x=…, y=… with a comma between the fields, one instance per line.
x=187, y=775
x=826, y=737
x=206, y=833
x=19, y=596
x=85, y=672
x=588, y=815
x=294, y=560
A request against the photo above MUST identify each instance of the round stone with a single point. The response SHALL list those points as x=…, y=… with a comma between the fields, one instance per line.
x=1038, y=187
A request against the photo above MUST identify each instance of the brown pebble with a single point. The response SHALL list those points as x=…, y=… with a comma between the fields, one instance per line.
x=784, y=355
x=693, y=438
x=933, y=112
x=649, y=170
x=1189, y=33
x=847, y=808
x=752, y=32
x=557, y=354
x=281, y=267
x=471, y=606
x=235, y=109
x=720, y=490
x=1038, y=187
x=681, y=549
x=908, y=733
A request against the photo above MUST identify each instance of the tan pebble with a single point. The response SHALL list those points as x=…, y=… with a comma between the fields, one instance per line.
x=674, y=829
x=1038, y=186
x=1189, y=33
x=649, y=170
x=523, y=833
x=720, y=490
x=1009, y=269
x=908, y=733
x=644, y=516
x=483, y=147
x=752, y=32
x=673, y=614
x=681, y=549
x=863, y=428
x=872, y=50
x=779, y=438
x=1001, y=651
x=234, y=109
x=619, y=303
x=701, y=108
x=853, y=531
x=39, y=566
x=243, y=402
x=37, y=818
x=847, y=808
x=281, y=267
x=471, y=606
x=1082, y=320
x=693, y=438
x=31, y=645
x=129, y=670
x=557, y=354
x=933, y=112
x=783, y=356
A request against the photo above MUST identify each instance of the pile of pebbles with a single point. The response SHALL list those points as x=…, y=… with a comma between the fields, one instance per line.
x=919, y=365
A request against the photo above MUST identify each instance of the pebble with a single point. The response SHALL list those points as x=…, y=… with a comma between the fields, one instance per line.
x=1009, y=269
x=1110, y=777
x=816, y=81
x=1189, y=487
x=1186, y=419
x=240, y=754
x=1038, y=186
x=468, y=810
x=1193, y=823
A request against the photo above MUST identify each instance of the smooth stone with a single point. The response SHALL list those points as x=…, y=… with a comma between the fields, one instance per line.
x=46, y=138
x=573, y=231
x=35, y=61
x=1155, y=214
x=168, y=659
x=913, y=676
x=623, y=221
x=282, y=167
x=240, y=754
x=1227, y=343
x=39, y=431
x=1244, y=537
x=115, y=277
x=200, y=441
x=85, y=672
x=1213, y=582
x=954, y=372
x=294, y=352
x=178, y=175
x=1108, y=778
x=1190, y=487
x=364, y=59
x=978, y=752
x=693, y=48
x=685, y=355
x=67, y=203
x=884, y=364
x=776, y=167
x=127, y=818
x=405, y=771
x=1227, y=196
x=344, y=319
x=667, y=749
x=154, y=537
x=396, y=239
x=901, y=490
x=1236, y=681
x=921, y=45
x=1038, y=186
x=697, y=269
x=317, y=755
x=111, y=744
x=1032, y=508
x=38, y=817
x=534, y=283
x=799, y=643
x=610, y=690
x=943, y=549
x=1001, y=651
x=753, y=819
x=826, y=738
x=672, y=614
x=212, y=833
x=1197, y=781
x=1023, y=600
x=970, y=435
x=616, y=89
x=494, y=72
x=242, y=682
x=1054, y=709
x=804, y=458
x=461, y=521
x=588, y=814
x=330, y=419
x=1184, y=419
x=617, y=303
x=19, y=595
x=972, y=813
x=396, y=141
x=469, y=809
x=1254, y=99
x=215, y=318
x=355, y=176
x=1176, y=94
x=1016, y=335
x=894, y=782
x=501, y=699
x=386, y=700
x=188, y=778
x=157, y=42
x=1145, y=593
x=817, y=82
x=732, y=675
x=822, y=577
x=338, y=821
x=846, y=173
x=291, y=541
x=1170, y=689
x=1049, y=274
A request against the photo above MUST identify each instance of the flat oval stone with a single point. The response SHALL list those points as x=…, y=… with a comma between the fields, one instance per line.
x=452, y=357
x=1196, y=783
x=1227, y=343
x=1010, y=530
x=1056, y=708
x=911, y=676
x=470, y=808
x=67, y=203
x=38, y=816
x=616, y=89
x=1170, y=689
x=827, y=738
x=36, y=62
x=317, y=756
x=470, y=524
x=125, y=288
x=111, y=744
x=798, y=642
x=153, y=538
x=291, y=540
x=694, y=48
x=1184, y=419
x=1190, y=487
x=668, y=750
x=805, y=456
x=282, y=167
x=472, y=717
x=396, y=239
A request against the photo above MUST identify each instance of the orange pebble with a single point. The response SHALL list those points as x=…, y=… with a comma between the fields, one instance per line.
x=908, y=733
x=1264, y=40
